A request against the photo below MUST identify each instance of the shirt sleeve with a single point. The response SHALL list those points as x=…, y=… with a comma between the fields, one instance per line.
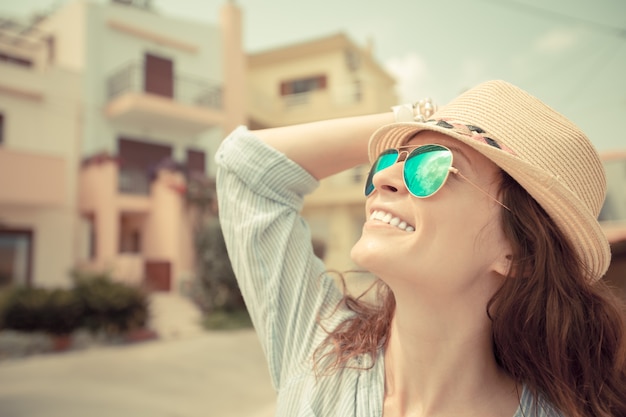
x=260, y=194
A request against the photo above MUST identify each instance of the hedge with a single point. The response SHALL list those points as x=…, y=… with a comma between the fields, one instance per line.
x=94, y=302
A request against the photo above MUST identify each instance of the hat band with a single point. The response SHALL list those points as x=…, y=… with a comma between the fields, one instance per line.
x=471, y=131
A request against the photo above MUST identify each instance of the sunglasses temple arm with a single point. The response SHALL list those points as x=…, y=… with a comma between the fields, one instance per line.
x=456, y=172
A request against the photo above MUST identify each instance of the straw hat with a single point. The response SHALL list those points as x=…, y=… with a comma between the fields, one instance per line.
x=542, y=150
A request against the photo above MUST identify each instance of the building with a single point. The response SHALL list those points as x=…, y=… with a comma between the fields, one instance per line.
x=150, y=108
x=613, y=217
x=40, y=111
x=321, y=79
x=153, y=97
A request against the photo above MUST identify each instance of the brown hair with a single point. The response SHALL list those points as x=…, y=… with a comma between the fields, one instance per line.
x=563, y=337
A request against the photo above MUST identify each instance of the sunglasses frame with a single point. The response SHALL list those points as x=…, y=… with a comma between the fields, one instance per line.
x=402, y=150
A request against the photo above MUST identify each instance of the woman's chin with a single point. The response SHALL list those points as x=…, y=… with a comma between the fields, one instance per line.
x=364, y=252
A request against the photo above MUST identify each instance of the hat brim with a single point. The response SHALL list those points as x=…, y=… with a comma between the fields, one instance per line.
x=568, y=212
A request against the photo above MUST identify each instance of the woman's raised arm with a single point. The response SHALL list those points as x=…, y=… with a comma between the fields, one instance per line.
x=326, y=147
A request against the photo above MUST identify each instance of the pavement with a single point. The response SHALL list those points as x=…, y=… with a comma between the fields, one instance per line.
x=187, y=372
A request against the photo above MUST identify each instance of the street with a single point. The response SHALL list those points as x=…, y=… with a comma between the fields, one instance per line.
x=220, y=374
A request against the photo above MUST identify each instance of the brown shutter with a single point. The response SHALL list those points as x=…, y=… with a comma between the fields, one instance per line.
x=196, y=161
x=159, y=76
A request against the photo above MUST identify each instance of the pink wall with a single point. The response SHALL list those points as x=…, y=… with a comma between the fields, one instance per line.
x=161, y=217
x=32, y=179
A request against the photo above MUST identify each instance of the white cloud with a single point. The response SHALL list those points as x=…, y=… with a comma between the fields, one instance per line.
x=556, y=40
x=410, y=72
x=473, y=69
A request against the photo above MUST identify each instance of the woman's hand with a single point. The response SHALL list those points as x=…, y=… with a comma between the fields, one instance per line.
x=326, y=147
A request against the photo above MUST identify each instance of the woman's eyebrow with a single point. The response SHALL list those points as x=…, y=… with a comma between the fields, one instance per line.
x=459, y=151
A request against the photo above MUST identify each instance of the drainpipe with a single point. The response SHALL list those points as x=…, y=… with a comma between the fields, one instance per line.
x=234, y=67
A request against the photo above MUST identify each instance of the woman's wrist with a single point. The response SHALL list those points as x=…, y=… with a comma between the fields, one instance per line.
x=420, y=111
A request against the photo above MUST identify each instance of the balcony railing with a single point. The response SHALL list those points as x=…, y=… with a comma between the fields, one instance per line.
x=133, y=181
x=131, y=78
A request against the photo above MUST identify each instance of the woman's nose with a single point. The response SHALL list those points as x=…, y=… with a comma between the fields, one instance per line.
x=390, y=179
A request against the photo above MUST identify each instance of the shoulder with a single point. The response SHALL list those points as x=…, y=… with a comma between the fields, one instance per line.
x=536, y=405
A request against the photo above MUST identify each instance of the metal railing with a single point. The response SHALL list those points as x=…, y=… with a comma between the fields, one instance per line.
x=186, y=89
x=133, y=181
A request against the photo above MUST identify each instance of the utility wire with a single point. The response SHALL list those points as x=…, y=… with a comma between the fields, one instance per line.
x=550, y=14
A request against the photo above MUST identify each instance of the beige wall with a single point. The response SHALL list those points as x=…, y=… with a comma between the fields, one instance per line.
x=234, y=66
x=68, y=25
x=335, y=211
x=102, y=39
x=324, y=57
x=38, y=164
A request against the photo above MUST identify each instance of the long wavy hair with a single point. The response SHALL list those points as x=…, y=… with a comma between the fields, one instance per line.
x=553, y=330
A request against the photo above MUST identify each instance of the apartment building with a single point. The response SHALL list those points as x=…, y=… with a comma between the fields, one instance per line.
x=40, y=111
x=320, y=79
x=613, y=217
x=150, y=109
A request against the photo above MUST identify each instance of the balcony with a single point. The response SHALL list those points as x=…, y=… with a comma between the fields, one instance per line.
x=32, y=179
x=171, y=103
x=25, y=45
x=133, y=181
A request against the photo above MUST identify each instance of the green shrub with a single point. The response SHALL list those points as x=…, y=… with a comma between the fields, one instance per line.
x=5, y=294
x=25, y=309
x=95, y=302
x=28, y=309
x=215, y=287
x=63, y=312
x=227, y=320
x=109, y=306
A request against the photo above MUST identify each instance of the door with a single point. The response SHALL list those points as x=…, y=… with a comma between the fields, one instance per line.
x=159, y=76
x=157, y=275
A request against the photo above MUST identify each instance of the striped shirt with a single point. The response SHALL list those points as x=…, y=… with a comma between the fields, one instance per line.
x=285, y=287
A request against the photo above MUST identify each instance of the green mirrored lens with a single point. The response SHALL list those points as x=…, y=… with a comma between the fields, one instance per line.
x=426, y=169
x=385, y=160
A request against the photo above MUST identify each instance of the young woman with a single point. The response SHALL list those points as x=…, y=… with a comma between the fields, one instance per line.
x=481, y=229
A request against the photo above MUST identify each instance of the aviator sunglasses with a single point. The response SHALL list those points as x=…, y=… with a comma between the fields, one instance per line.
x=426, y=169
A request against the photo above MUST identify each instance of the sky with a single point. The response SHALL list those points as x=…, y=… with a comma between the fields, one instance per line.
x=569, y=53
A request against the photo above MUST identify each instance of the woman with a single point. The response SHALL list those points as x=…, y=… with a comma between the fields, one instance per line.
x=481, y=228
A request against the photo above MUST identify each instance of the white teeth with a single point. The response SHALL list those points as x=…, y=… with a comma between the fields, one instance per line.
x=390, y=219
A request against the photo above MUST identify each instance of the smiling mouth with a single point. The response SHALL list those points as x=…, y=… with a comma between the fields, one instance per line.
x=388, y=218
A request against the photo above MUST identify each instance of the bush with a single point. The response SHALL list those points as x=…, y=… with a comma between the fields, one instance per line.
x=110, y=306
x=28, y=309
x=96, y=303
x=62, y=312
x=227, y=320
x=216, y=287
x=25, y=309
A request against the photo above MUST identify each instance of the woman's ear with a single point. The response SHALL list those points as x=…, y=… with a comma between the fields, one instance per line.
x=503, y=259
x=503, y=264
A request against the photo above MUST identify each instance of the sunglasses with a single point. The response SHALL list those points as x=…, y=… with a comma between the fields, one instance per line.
x=426, y=169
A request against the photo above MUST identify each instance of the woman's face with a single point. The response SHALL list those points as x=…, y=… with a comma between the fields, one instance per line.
x=457, y=240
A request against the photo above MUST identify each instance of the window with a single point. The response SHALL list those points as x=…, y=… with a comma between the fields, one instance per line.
x=303, y=85
x=51, y=49
x=1, y=128
x=131, y=226
x=16, y=256
x=139, y=162
x=16, y=60
x=89, y=235
x=196, y=162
